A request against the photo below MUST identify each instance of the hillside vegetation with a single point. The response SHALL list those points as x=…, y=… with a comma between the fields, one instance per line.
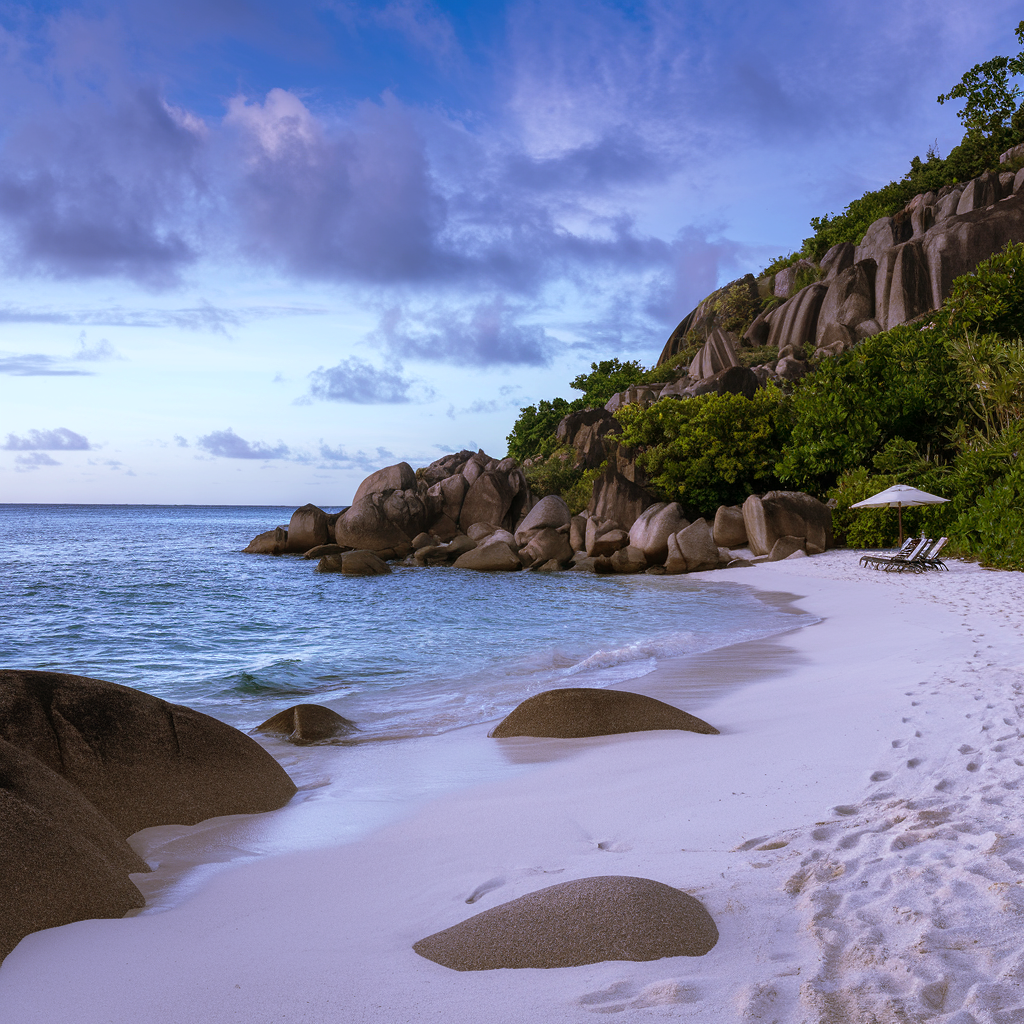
x=937, y=403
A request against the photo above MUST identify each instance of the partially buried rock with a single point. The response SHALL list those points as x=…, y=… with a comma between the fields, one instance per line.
x=307, y=723
x=586, y=921
x=581, y=711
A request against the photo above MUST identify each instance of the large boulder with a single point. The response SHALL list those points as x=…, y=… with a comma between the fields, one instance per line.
x=391, y=478
x=406, y=510
x=544, y=545
x=273, y=542
x=584, y=921
x=551, y=512
x=488, y=500
x=308, y=529
x=729, y=530
x=619, y=493
x=365, y=526
x=653, y=527
x=786, y=514
x=307, y=723
x=61, y=860
x=449, y=494
x=494, y=557
x=138, y=759
x=628, y=560
x=902, y=285
x=692, y=549
x=578, y=533
x=604, y=537
x=582, y=711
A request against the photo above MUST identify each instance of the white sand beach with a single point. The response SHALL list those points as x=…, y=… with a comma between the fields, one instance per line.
x=856, y=831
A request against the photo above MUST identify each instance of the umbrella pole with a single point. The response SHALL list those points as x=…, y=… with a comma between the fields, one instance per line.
x=899, y=514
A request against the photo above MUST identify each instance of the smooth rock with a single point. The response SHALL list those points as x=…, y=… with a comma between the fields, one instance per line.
x=392, y=478
x=478, y=531
x=784, y=547
x=307, y=723
x=550, y=512
x=273, y=542
x=140, y=760
x=578, y=533
x=583, y=921
x=729, y=531
x=422, y=540
x=583, y=711
x=323, y=550
x=61, y=860
x=652, y=529
x=365, y=526
x=786, y=514
x=497, y=557
x=545, y=545
x=697, y=547
x=488, y=500
x=628, y=560
x=308, y=529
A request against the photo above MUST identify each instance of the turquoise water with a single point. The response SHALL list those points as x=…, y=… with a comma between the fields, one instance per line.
x=161, y=598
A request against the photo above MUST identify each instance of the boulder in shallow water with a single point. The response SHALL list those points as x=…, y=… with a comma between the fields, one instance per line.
x=582, y=711
x=273, y=542
x=323, y=550
x=585, y=921
x=140, y=760
x=494, y=557
x=307, y=723
x=354, y=563
x=308, y=528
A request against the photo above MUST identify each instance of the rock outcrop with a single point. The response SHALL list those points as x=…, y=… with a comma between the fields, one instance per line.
x=787, y=514
x=354, y=563
x=308, y=528
x=581, y=711
x=584, y=921
x=273, y=542
x=84, y=764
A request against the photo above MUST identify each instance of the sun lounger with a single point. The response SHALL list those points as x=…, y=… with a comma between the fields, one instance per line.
x=912, y=547
x=932, y=560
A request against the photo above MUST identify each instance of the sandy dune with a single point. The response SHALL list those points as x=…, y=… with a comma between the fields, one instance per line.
x=856, y=833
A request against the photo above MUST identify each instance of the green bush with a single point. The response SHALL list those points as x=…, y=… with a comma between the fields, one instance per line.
x=555, y=474
x=533, y=433
x=898, y=384
x=605, y=379
x=708, y=451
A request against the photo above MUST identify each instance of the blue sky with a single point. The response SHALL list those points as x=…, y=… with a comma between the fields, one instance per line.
x=253, y=251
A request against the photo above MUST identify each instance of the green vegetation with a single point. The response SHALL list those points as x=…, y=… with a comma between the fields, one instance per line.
x=937, y=403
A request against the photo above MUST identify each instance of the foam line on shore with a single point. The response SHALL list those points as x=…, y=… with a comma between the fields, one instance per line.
x=854, y=832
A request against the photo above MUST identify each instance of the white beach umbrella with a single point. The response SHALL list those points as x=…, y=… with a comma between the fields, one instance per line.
x=899, y=497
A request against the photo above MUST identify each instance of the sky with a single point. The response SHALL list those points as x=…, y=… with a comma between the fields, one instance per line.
x=253, y=251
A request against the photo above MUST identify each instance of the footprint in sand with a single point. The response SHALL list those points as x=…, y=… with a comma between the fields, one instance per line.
x=614, y=846
x=973, y=766
x=845, y=809
x=914, y=762
x=622, y=995
x=880, y=776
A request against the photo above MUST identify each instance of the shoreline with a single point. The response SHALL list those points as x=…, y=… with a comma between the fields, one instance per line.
x=813, y=764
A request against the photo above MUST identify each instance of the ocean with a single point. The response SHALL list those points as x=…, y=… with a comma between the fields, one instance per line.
x=162, y=599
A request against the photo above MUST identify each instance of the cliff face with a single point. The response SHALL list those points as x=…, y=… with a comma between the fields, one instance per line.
x=903, y=267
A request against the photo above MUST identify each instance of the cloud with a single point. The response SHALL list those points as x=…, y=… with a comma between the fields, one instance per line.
x=340, y=458
x=180, y=441
x=354, y=380
x=37, y=365
x=27, y=463
x=204, y=317
x=228, y=445
x=98, y=352
x=59, y=440
x=488, y=333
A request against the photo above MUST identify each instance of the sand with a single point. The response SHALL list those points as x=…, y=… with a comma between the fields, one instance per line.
x=855, y=832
